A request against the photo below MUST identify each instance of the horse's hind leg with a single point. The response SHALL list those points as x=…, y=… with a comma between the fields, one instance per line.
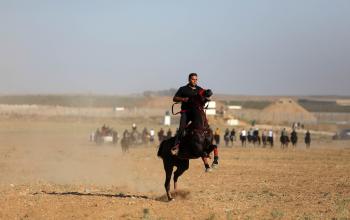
x=179, y=171
x=168, y=172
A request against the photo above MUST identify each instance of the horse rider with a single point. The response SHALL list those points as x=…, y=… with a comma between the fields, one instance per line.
x=293, y=134
x=169, y=134
x=227, y=136
x=217, y=136
x=160, y=135
x=264, y=137
x=233, y=135
x=307, y=139
x=284, y=132
x=134, y=127
x=182, y=95
x=270, y=137
x=243, y=135
x=151, y=134
x=126, y=133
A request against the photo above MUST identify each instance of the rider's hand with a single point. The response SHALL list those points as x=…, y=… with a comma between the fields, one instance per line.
x=185, y=99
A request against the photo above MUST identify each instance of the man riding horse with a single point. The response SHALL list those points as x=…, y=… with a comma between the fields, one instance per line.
x=183, y=95
x=193, y=140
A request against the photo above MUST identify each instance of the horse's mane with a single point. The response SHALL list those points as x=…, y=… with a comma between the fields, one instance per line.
x=197, y=103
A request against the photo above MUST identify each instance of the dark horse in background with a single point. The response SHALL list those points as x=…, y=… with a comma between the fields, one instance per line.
x=243, y=140
x=256, y=138
x=284, y=139
x=125, y=143
x=196, y=143
x=294, y=138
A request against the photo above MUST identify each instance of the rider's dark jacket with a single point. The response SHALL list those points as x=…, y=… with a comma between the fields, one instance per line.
x=187, y=92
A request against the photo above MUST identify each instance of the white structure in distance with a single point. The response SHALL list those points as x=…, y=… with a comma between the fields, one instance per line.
x=211, y=108
x=167, y=118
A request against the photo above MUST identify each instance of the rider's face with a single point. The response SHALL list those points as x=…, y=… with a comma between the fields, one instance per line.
x=193, y=80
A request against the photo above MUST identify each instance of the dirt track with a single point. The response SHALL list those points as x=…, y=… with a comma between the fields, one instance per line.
x=49, y=170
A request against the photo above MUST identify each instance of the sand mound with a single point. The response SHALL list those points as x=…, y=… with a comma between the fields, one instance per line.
x=287, y=110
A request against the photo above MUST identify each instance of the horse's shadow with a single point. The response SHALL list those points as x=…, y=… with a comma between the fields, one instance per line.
x=119, y=195
x=179, y=194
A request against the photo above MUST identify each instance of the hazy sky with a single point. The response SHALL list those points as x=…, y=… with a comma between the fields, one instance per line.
x=262, y=47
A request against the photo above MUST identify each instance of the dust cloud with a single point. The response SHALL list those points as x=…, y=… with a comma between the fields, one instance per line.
x=60, y=153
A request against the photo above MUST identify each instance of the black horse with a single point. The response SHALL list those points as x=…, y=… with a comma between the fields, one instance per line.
x=196, y=143
x=294, y=138
x=243, y=140
x=284, y=141
x=227, y=137
x=256, y=138
x=307, y=139
x=264, y=139
x=125, y=143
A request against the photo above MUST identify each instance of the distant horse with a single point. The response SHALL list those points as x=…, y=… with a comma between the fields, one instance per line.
x=232, y=137
x=98, y=137
x=256, y=138
x=284, y=141
x=294, y=138
x=227, y=138
x=270, y=140
x=243, y=140
x=264, y=140
x=145, y=138
x=249, y=137
x=115, y=137
x=307, y=139
x=125, y=143
x=196, y=143
x=135, y=138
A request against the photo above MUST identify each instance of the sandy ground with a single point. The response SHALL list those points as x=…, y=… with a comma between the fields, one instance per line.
x=49, y=170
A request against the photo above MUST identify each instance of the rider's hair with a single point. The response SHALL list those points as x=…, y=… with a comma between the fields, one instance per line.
x=190, y=75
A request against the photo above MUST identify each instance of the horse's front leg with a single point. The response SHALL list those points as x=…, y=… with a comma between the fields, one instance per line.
x=179, y=171
x=206, y=164
x=168, y=172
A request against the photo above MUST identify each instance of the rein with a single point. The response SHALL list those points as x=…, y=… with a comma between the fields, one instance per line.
x=200, y=108
x=172, y=109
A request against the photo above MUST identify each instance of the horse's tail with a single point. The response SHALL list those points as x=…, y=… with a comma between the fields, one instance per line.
x=160, y=149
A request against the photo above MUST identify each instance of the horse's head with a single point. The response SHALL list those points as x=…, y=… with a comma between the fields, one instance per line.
x=196, y=107
x=199, y=100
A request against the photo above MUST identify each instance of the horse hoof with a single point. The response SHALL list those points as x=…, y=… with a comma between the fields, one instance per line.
x=171, y=199
x=214, y=165
x=208, y=170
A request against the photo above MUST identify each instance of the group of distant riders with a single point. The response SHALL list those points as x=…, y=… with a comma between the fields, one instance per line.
x=183, y=95
x=267, y=137
x=132, y=136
